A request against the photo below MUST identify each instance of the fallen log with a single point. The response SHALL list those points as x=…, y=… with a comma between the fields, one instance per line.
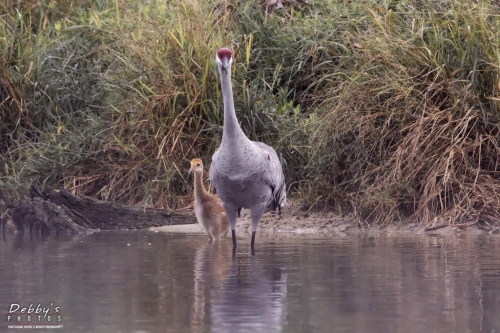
x=59, y=210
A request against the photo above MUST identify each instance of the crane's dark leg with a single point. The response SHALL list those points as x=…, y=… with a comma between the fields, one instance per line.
x=239, y=212
x=233, y=233
x=231, y=212
x=256, y=216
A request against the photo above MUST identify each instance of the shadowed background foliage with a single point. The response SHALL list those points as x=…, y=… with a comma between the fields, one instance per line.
x=380, y=110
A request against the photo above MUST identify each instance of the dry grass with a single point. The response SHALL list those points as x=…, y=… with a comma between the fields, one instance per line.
x=416, y=123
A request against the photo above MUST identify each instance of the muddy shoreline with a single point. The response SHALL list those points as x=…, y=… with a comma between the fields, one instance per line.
x=295, y=222
x=58, y=210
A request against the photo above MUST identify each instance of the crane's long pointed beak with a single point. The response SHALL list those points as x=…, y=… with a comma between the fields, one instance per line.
x=223, y=69
x=224, y=66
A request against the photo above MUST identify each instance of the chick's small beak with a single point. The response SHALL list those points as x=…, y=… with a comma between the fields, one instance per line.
x=191, y=170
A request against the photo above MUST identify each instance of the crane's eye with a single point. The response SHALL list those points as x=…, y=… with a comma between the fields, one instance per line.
x=198, y=164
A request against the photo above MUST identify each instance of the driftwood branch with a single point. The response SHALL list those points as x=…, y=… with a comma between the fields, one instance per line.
x=58, y=210
x=439, y=226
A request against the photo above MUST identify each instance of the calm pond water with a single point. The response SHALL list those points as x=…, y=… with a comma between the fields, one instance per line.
x=142, y=281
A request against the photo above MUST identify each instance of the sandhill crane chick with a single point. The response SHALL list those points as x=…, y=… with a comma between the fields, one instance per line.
x=207, y=207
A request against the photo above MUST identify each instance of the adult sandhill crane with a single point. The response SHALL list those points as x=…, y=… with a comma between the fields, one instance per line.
x=207, y=207
x=244, y=173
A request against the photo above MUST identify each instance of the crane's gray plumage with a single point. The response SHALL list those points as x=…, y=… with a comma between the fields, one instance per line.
x=244, y=173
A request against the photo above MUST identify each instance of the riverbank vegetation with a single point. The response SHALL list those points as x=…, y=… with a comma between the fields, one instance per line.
x=380, y=110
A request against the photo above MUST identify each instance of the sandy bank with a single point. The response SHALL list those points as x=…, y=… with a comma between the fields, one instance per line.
x=294, y=222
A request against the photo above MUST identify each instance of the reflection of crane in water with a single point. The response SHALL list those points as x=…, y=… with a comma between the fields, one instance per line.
x=236, y=293
x=248, y=300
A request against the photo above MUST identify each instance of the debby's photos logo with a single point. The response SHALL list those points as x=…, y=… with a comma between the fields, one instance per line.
x=34, y=316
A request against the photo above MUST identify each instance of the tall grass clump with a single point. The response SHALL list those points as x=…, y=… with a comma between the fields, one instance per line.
x=51, y=92
x=410, y=123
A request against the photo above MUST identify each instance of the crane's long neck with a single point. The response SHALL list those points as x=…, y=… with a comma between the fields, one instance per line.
x=199, y=189
x=232, y=130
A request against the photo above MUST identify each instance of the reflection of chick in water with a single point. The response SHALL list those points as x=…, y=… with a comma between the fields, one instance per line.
x=248, y=300
x=211, y=265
